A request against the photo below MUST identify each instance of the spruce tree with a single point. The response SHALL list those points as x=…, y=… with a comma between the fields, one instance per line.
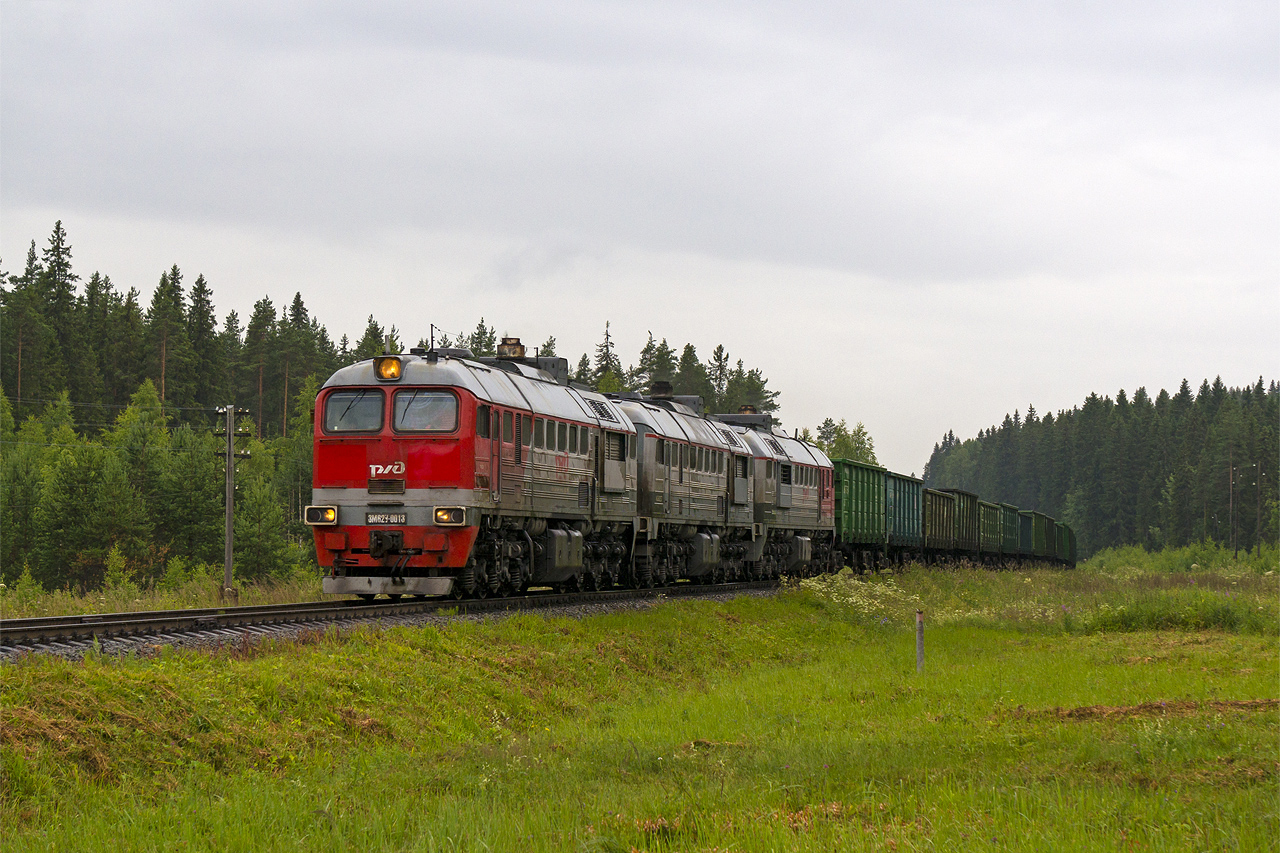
x=254, y=357
x=261, y=549
x=124, y=348
x=57, y=285
x=189, y=510
x=171, y=362
x=372, y=342
x=119, y=519
x=231, y=344
x=209, y=353
x=606, y=360
x=28, y=346
x=583, y=372
x=63, y=528
x=141, y=436
x=21, y=474
x=482, y=342
x=718, y=372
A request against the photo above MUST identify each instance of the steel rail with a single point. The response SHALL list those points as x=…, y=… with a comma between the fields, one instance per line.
x=30, y=634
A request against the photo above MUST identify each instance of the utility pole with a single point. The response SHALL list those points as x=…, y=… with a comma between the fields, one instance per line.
x=230, y=455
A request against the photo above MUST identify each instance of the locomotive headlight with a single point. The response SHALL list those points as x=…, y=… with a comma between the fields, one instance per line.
x=320, y=516
x=387, y=368
x=450, y=516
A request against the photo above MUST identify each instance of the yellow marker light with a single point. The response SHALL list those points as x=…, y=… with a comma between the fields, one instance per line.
x=387, y=368
x=450, y=515
x=320, y=515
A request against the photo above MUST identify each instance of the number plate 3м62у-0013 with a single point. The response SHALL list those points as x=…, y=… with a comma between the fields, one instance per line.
x=385, y=518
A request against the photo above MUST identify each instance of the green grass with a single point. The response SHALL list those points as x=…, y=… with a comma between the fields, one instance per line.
x=199, y=586
x=788, y=723
x=1165, y=591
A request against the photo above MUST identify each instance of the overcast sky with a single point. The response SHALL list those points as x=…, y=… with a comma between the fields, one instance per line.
x=916, y=215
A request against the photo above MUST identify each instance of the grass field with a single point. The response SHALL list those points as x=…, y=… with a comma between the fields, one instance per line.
x=1115, y=707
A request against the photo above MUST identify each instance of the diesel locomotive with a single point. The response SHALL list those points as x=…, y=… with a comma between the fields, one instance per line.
x=437, y=472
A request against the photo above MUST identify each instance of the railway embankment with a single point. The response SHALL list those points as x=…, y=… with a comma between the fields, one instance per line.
x=797, y=721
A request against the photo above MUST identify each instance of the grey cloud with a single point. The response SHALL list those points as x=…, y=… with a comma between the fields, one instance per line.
x=818, y=134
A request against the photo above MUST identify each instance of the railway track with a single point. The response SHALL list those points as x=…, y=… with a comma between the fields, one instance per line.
x=122, y=632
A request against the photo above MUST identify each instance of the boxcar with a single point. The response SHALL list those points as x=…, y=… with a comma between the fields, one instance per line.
x=989, y=530
x=939, y=521
x=903, y=495
x=966, y=521
x=1026, y=534
x=1041, y=536
x=860, y=515
x=1008, y=530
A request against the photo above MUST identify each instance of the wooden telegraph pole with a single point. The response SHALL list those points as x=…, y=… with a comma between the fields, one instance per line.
x=230, y=456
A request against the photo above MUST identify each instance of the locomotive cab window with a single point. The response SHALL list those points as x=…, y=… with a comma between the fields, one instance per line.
x=562, y=434
x=507, y=430
x=573, y=438
x=538, y=426
x=526, y=430
x=425, y=411
x=658, y=447
x=359, y=410
x=482, y=421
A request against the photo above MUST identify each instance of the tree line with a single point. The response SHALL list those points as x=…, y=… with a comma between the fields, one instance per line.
x=59, y=332
x=108, y=408
x=1180, y=468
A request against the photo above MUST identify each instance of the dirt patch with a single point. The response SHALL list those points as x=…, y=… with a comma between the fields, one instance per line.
x=1182, y=708
x=361, y=723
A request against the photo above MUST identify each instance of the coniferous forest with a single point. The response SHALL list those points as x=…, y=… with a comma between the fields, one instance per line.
x=111, y=463
x=1159, y=472
x=109, y=406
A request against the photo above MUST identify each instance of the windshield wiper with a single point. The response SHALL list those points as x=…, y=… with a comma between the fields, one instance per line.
x=354, y=400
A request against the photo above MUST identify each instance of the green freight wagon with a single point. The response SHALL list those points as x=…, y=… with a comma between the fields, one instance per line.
x=1026, y=533
x=939, y=521
x=1071, y=547
x=860, y=517
x=1008, y=530
x=1060, y=542
x=902, y=511
x=989, y=519
x=967, y=534
x=1041, y=536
